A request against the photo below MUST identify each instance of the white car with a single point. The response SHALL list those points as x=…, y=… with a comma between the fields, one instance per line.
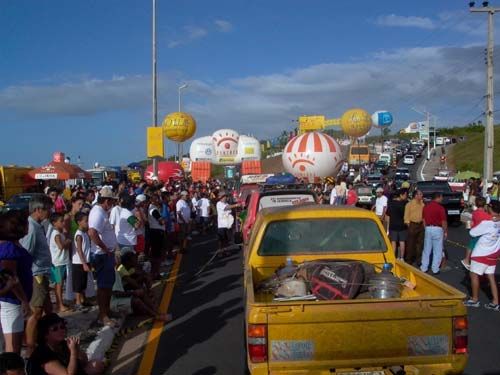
x=409, y=159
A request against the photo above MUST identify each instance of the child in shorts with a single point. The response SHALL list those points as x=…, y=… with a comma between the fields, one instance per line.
x=59, y=250
x=484, y=257
x=81, y=260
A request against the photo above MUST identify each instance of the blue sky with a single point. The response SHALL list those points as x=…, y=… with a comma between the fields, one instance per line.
x=76, y=75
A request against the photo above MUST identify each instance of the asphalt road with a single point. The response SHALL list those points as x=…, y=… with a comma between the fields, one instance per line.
x=206, y=337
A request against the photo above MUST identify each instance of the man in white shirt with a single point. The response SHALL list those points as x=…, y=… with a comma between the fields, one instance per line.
x=103, y=244
x=224, y=222
x=380, y=206
x=183, y=218
x=204, y=207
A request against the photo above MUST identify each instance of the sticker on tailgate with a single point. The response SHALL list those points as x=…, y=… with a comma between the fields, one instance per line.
x=428, y=345
x=292, y=350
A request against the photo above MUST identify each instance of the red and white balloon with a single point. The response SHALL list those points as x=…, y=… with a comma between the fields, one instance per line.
x=312, y=156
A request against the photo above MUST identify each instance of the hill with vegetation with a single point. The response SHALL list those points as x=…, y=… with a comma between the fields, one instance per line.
x=468, y=155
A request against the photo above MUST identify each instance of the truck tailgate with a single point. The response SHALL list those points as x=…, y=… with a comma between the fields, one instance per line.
x=322, y=335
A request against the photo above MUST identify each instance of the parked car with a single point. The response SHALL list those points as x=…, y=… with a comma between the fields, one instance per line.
x=374, y=179
x=453, y=201
x=409, y=159
x=366, y=198
x=19, y=202
x=270, y=196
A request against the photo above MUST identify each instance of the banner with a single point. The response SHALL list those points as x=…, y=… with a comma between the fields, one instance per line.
x=155, y=142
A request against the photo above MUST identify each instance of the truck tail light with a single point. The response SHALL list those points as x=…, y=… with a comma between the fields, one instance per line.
x=460, y=336
x=257, y=342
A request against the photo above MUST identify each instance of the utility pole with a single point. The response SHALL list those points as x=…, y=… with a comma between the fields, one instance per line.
x=155, y=87
x=488, y=130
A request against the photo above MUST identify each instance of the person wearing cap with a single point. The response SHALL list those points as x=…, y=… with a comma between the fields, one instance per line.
x=103, y=244
x=183, y=219
x=224, y=221
x=380, y=206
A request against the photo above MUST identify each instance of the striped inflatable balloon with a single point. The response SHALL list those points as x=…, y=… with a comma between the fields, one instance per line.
x=312, y=156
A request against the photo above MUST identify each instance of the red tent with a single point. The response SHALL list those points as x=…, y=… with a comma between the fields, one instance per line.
x=59, y=170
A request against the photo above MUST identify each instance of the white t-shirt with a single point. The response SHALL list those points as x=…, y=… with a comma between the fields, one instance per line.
x=59, y=257
x=114, y=218
x=85, y=247
x=380, y=203
x=182, y=208
x=154, y=223
x=126, y=234
x=194, y=203
x=204, y=205
x=222, y=215
x=333, y=195
x=99, y=220
x=489, y=242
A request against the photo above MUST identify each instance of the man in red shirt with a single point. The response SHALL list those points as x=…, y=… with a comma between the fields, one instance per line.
x=436, y=231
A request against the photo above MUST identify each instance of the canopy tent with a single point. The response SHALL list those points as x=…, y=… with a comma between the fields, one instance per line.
x=59, y=171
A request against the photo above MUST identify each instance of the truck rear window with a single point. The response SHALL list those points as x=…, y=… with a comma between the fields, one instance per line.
x=318, y=236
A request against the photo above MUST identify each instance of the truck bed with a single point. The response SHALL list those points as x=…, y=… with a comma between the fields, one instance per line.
x=414, y=331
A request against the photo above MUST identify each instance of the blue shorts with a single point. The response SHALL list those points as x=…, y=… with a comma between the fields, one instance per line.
x=104, y=266
x=57, y=274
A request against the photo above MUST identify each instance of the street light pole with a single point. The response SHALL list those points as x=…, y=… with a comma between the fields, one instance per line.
x=155, y=88
x=489, y=129
x=179, y=145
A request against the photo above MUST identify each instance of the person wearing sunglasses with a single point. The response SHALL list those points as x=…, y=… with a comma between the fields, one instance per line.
x=57, y=354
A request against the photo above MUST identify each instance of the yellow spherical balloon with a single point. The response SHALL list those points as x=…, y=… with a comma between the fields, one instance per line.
x=179, y=126
x=356, y=122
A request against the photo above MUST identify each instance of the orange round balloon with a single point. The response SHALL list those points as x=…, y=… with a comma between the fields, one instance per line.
x=179, y=126
x=356, y=122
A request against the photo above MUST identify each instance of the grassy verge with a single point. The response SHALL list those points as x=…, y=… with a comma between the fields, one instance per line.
x=469, y=155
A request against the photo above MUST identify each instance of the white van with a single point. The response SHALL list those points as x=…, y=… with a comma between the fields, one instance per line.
x=386, y=158
x=439, y=141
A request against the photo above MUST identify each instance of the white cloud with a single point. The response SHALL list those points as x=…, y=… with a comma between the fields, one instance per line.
x=393, y=20
x=190, y=34
x=223, y=26
x=444, y=80
x=462, y=22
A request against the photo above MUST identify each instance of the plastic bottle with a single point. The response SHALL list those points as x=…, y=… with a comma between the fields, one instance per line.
x=289, y=268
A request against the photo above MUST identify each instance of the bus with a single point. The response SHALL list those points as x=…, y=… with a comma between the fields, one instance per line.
x=359, y=155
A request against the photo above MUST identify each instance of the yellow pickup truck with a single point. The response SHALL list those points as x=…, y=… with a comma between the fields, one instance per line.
x=324, y=294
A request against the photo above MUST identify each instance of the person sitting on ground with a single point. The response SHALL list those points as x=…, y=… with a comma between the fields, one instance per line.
x=133, y=277
x=57, y=354
x=11, y=364
x=134, y=301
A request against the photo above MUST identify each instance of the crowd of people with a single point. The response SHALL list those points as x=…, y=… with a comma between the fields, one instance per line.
x=418, y=230
x=84, y=242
